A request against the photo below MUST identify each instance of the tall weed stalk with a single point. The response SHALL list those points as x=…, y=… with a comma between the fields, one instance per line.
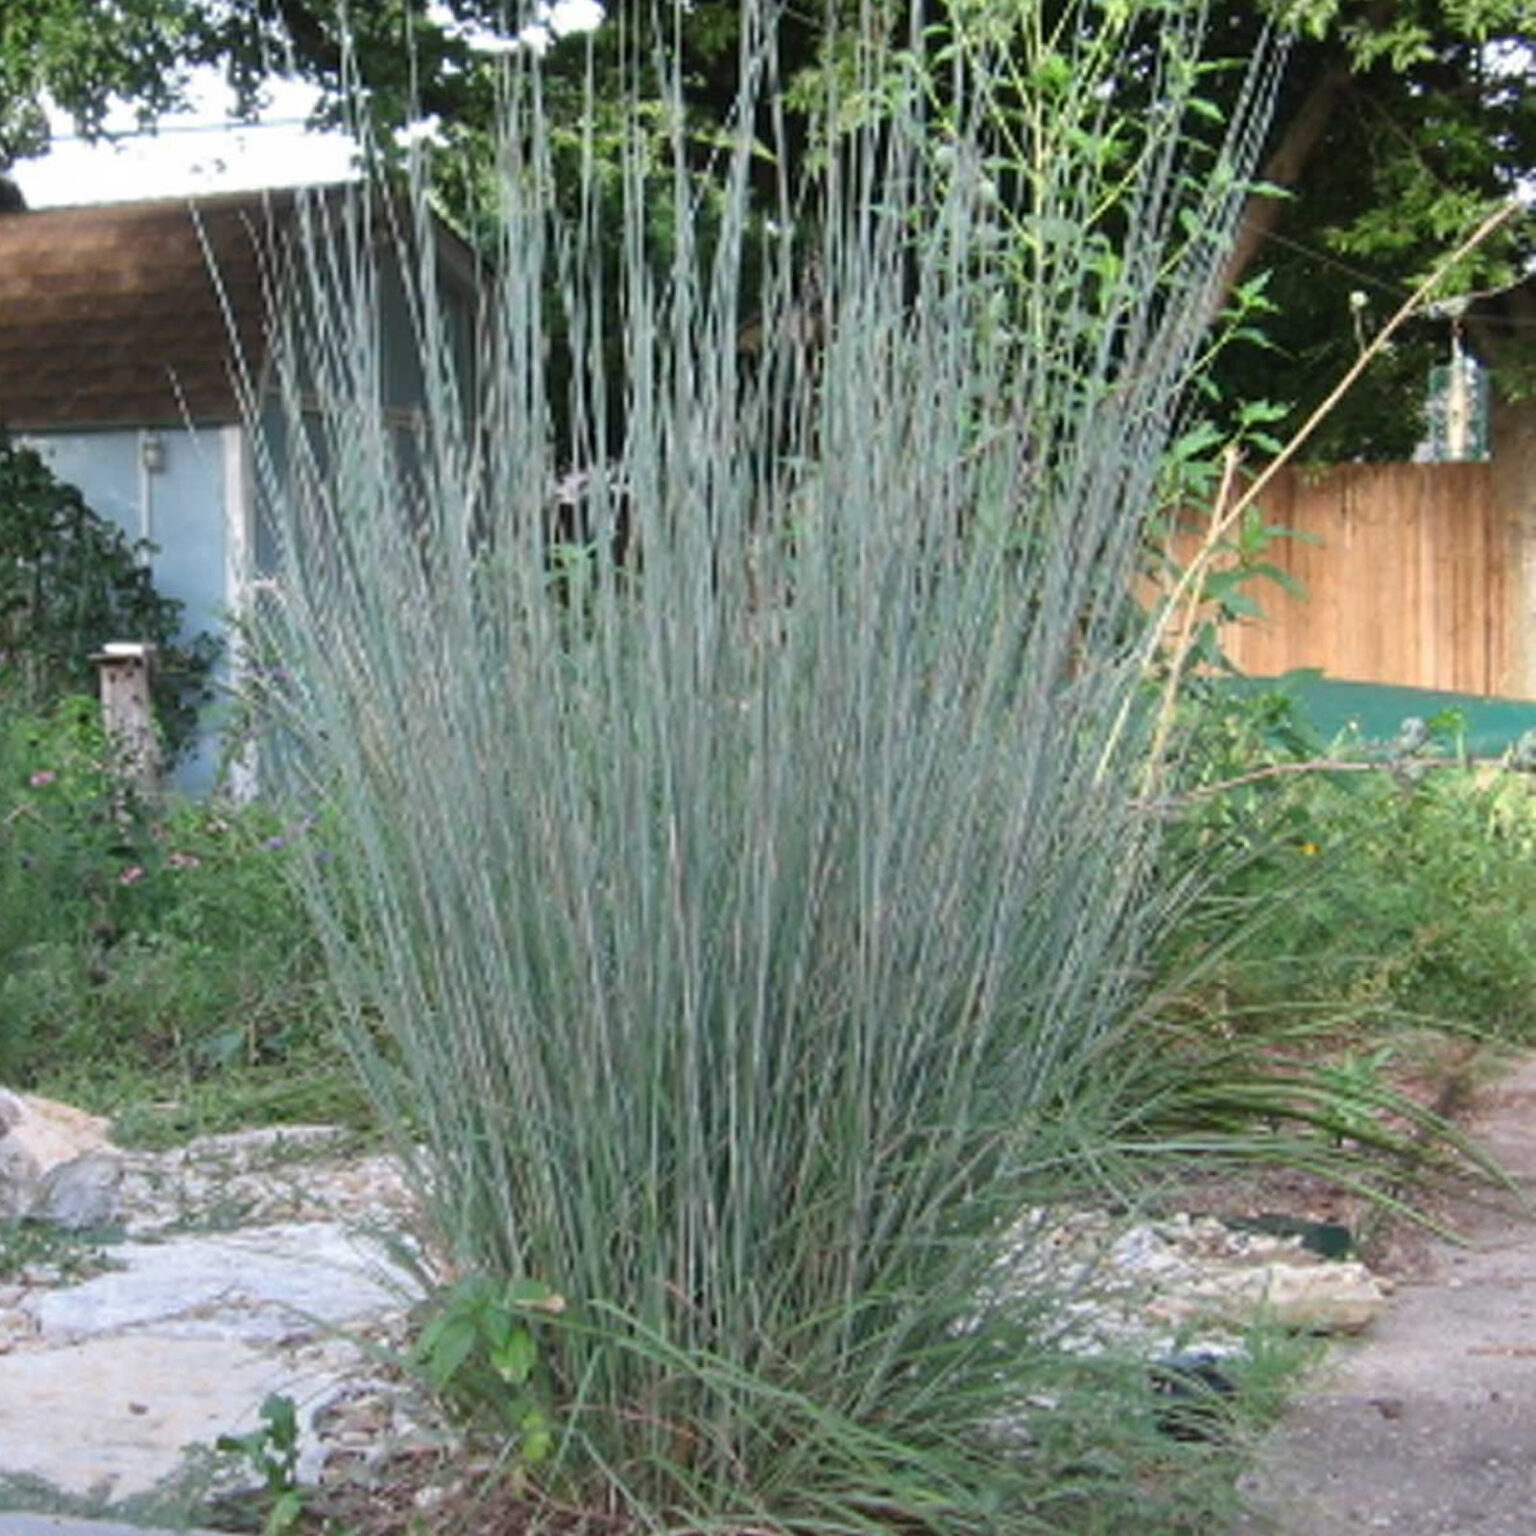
x=736, y=879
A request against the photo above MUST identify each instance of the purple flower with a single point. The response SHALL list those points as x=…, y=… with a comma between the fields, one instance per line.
x=42, y=778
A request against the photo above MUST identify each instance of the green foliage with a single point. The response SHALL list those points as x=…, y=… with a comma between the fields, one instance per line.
x=78, y=56
x=38, y=1253
x=81, y=56
x=70, y=582
x=63, y=846
x=137, y=936
x=479, y=1352
x=1405, y=892
x=1425, y=121
x=1125, y=1461
x=271, y=1450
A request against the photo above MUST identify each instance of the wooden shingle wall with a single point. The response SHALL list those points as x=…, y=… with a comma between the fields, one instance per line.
x=111, y=316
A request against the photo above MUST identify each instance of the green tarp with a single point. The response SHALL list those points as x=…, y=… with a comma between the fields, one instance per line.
x=1374, y=712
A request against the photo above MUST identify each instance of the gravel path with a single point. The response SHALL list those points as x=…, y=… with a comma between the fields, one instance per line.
x=1426, y=1426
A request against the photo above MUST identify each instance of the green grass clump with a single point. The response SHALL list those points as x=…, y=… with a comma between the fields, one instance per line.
x=739, y=883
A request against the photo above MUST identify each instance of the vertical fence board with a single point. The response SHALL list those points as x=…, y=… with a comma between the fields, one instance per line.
x=1408, y=575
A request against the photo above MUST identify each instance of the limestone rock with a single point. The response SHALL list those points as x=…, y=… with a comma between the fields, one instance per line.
x=1146, y=1284
x=81, y=1193
x=113, y=1416
x=1341, y=1297
x=39, y=1136
x=105, y=1382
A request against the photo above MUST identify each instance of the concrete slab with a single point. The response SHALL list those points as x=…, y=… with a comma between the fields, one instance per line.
x=1427, y=1425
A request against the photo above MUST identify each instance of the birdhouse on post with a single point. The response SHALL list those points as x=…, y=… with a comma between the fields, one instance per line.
x=124, y=669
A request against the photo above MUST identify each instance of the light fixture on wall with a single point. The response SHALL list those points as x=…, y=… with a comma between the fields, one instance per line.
x=152, y=452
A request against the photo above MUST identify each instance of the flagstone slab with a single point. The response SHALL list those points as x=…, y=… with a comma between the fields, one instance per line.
x=110, y=1382
x=114, y=1417
x=261, y=1284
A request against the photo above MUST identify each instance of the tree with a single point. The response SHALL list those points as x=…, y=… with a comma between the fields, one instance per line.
x=1395, y=124
x=81, y=56
x=1397, y=127
x=70, y=581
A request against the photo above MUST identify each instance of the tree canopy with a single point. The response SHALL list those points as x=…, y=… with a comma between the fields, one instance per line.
x=1396, y=125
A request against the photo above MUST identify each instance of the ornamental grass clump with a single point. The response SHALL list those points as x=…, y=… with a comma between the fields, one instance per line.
x=732, y=867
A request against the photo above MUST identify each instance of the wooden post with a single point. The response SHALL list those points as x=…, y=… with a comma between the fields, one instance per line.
x=124, y=668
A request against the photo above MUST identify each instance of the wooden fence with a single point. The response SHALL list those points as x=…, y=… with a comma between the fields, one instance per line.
x=1411, y=574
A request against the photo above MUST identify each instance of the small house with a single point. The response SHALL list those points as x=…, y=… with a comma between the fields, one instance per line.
x=138, y=346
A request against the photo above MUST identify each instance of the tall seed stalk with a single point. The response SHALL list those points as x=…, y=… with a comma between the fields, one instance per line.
x=736, y=899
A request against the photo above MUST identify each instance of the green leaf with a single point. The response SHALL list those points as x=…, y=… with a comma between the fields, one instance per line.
x=1239, y=605
x=452, y=1344
x=537, y=1438
x=287, y=1510
x=514, y=1358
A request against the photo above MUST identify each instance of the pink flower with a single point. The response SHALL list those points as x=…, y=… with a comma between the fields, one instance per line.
x=42, y=778
x=132, y=875
x=183, y=860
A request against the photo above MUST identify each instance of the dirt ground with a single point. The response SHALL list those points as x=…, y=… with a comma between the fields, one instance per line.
x=1426, y=1425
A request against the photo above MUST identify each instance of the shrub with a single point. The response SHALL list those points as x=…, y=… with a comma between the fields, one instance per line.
x=137, y=936
x=1391, y=887
x=69, y=582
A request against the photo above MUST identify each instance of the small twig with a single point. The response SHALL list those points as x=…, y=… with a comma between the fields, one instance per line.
x=1184, y=596
x=1410, y=307
x=1274, y=770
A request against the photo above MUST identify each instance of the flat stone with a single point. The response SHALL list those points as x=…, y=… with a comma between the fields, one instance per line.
x=121, y=1373
x=20, y=1524
x=1337, y=1297
x=258, y=1285
x=113, y=1417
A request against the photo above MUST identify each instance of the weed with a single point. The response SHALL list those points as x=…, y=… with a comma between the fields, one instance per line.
x=479, y=1352
x=1387, y=896
x=271, y=1451
x=154, y=943
x=38, y=1253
